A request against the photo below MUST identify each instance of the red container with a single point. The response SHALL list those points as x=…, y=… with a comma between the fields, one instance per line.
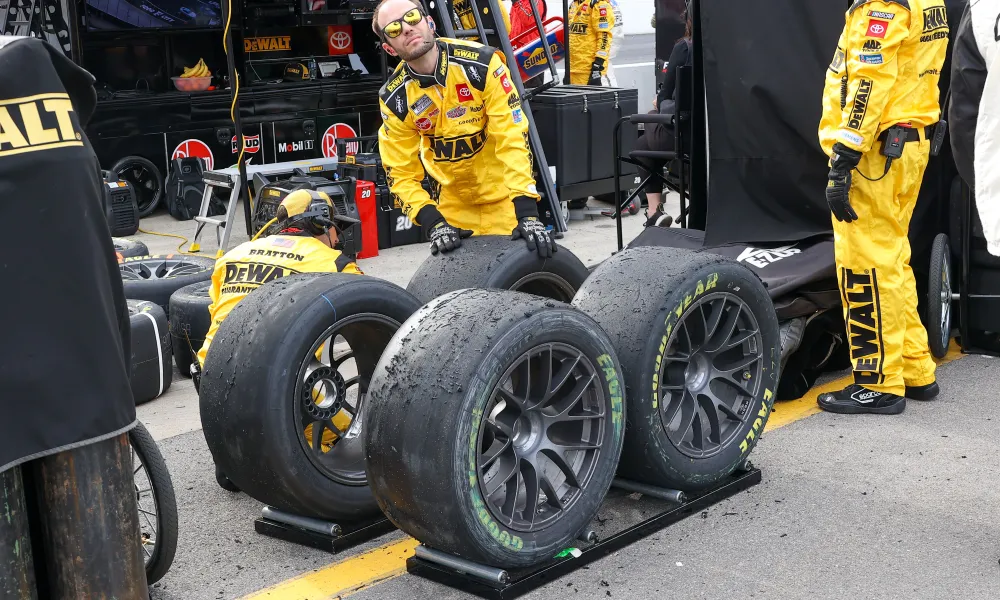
x=364, y=197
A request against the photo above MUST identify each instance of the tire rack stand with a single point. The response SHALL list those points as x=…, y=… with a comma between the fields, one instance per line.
x=499, y=584
x=318, y=533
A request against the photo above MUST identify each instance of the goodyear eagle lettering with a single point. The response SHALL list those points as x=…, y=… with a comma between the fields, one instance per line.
x=860, y=104
x=459, y=148
x=864, y=326
x=35, y=123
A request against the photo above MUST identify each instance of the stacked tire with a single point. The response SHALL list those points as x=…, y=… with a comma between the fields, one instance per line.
x=126, y=248
x=190, y=321
x=155, y=278
x=151, y=373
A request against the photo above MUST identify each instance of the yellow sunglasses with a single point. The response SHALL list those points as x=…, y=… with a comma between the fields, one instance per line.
x=412, y=17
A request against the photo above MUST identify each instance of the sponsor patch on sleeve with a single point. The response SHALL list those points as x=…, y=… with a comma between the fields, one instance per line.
x=879, y=14
x=851, y=137
x=420, y=105
x=876, y=28
x=871, y=59
x=518, y=116
x=507, y=87
x=838, y=61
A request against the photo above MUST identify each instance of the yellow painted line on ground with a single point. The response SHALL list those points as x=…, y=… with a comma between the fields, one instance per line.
x=356, y=573
x=794, y=410
x=346, y=577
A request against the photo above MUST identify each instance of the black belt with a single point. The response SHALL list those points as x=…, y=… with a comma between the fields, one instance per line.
x=912, y=134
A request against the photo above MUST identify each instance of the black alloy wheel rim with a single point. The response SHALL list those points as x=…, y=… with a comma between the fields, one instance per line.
x=143, y=182
x=541, y=440
x=163, y=268
x=710, y=373
x=148, y=504
x=545, y=285
x=945, y=302
x=323, y=394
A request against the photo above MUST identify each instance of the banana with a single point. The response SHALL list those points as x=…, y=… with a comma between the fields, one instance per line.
x=200, y=69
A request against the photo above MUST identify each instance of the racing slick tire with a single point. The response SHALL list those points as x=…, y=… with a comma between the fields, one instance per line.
x=146, y=179
x=126, y=248
x=498, y=262
x=190, y=321
x=485, y=395
x=274, y=388
x=700, y=348
x=155, y=278
x=939, y=297
x=152, y=372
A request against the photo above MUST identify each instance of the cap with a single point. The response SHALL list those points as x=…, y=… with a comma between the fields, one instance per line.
x=299, y=201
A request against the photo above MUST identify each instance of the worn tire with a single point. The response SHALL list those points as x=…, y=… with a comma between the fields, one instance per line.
x=939, y=302
x=498, y=262
x=126, y=248
x=190, y=321
x=666, y=288
x=255, y=370
x=155, y=278
x=152, y=372
x=166, y=504
x=429, y=403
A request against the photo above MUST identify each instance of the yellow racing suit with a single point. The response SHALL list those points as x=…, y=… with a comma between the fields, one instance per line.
x=465, y=126
x=463, y=8
x=885, y=72
x=591, y=25
x=252, y=264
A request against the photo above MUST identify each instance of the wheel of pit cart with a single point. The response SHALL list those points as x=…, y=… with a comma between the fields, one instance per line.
x=498, y=262
x=190, y=321
x=126, y=248
x=493, y=426
x=282, y=382
x=634, y=207
x=146, y=180
x=700, y=346
x=155, y=278
x=152, y=372
x=157, y=505
x=939, y=297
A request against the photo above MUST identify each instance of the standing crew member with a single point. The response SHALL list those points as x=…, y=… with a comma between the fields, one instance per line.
x=467, y=20
x=592, y=27
x=450, y=108
x=879, y=107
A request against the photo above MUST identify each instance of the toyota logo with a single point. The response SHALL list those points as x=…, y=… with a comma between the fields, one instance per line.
x=876, y=28
x=340, y=40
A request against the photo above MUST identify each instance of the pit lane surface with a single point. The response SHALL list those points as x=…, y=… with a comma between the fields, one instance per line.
x=849, y=507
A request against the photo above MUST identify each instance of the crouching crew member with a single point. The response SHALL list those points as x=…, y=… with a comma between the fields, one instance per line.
x=450, y=108
x=880, y=106
x=308, y=242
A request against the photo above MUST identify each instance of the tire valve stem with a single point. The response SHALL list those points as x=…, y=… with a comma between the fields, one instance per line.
x=747, y=375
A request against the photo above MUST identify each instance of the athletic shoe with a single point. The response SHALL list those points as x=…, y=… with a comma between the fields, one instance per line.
x=923, y=392
x=855, y=399
x=658, y=219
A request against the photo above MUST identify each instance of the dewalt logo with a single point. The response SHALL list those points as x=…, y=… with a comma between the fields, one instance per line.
x=458, y=148
x=37, y=123
x=860, y=104
x=458, y=53
x=267, y=44
x=578, y=28
x=935, y=18
x=255, y=273
x=396, y=82
x=864, y=325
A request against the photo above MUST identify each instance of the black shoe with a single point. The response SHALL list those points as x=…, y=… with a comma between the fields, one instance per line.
x=855, y=399
x=923, y=392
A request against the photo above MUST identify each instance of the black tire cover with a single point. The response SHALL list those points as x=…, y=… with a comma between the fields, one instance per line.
x=152, y=372
x=495, y=261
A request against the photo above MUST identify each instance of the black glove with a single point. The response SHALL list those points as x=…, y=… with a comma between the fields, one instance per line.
x=595, y=72
x=531, y=228
x=444, y=237
x=838, y=185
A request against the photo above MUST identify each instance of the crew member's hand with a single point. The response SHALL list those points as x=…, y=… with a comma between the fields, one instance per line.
x=536, y=235
x=595, y=72
x=445, y=237
x=838, y=185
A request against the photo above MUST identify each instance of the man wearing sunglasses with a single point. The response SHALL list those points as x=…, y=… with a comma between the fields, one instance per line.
x=451, y=109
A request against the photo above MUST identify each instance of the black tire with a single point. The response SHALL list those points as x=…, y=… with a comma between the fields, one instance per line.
x=668, y=291
x=190, y=321
x=425, y=425
x=126, y=248
x=155, y=278
x=146, y=179
x=498, y=262
x=259, y=366
x=152, y=372
x=224, y=482
x=939, y=297
x=159, y=559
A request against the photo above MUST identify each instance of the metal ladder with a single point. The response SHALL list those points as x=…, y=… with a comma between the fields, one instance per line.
x=16, y=17
x=500, y=34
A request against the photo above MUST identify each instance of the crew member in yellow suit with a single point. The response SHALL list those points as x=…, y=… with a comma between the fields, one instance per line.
x=450, y=110
x=880, y=103
x=463, y=8
x=591, y=34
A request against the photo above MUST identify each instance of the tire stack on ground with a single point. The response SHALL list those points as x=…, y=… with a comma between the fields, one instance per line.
x=156, y=278
x=151, y=372
x=190, y=321
x=126, y=248
x=524, y=412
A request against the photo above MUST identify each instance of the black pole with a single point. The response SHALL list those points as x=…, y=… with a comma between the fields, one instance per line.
x=567, y=36
x=89, y=522
x=237, y=118
x=618, y=183
x=17, y=573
